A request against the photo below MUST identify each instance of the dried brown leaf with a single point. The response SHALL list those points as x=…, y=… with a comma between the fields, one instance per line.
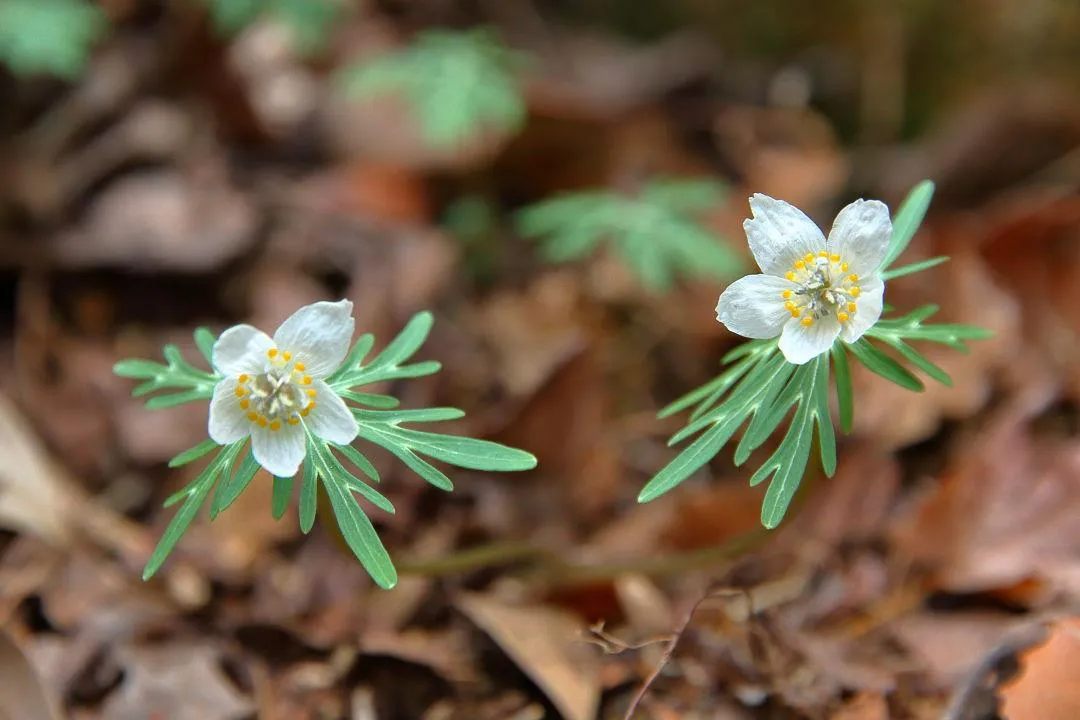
x=547, y=645
x=1047, y=688
x=22, y=695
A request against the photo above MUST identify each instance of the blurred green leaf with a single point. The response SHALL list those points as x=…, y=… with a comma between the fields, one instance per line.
x=653, y=233
x=49, y=36
x=310, y=22
x=458, y=83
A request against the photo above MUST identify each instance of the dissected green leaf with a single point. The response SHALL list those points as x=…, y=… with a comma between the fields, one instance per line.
x=360, y=535
x=178, y=373
x=309, y=492
x=204, y=340
x=283, y=487
x=907, y=220
x=193, y=453
x=387, y=365
x=458, y=83
x=309, y=21
x=844, y=393
x=881, y=364
x=232, y=484
x=652, y=232
x=49, y=36
x=914, y=268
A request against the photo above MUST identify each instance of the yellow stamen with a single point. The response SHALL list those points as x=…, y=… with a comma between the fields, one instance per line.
x=300, y=367
x=854, y=292
x=275, y=425
x=306, y=380
x=842, y=317
x=786, y=294
x=823, y=254
x=271, y=353
x=851, y=307
x=294, y=420
x=240, y=392
x=311, y=392
x=807, y=321
x=790, y=275
x=243, y=378
x=843, y=267
x=287, y=356
x=789, y=305
x=799, y=264
x=834, y=257
x=853, y=277
x=244, y=404
x=261, y=421
x=809, y=257
x=253, y=416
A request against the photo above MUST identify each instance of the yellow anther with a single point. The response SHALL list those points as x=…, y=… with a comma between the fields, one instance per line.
x=789, y=305
x=275, y=425
x=287, y=356
x=240, y=392
x=799, y=264
x=253, y=416
x=823, y=254
x=294, y=420
x=245, y=404
x=795, y=312
x=300, y=367
x=305, y=411
x=807, y=321
x=809, y=257
x=243, y=378
x=262, y=421
x=271, y=353
x=834, y=257
x=842, y=317
x=854, y=292
x=851, y=307
x=853, y=277
x=843, y=267
x=311, y=392
x=306, y=380
x=787, y=294
x=790, y=275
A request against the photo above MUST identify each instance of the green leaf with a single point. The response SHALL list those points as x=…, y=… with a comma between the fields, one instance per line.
x=458, y=84
x=787, y=465
x=382, y=402
x=308, y=493
x=914, y=268
x=193, y=495
x=178, y=374
x=359, y=461
x=204, y=340
x=653, y=232
x=387, y=364
x=49, y=36
x=907, y=220
x=331, y=470
x=193, y=453
x=283, y=487
x=918, y=360
x=844, y=393
x=881, y=364
x=360, y=536
x=232, y=484
x=310, y=22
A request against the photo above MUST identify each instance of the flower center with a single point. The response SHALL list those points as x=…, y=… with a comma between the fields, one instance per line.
x=278, y=396
x=823, y=287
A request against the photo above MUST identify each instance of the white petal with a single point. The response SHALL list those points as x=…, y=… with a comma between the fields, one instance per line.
x=331, y=419
x=753, y=306
x=241, y=349
x=280, y=451
x=868, y=309
x=779, y=234
x=228, y=421
x=801, y=344
x=318, y=335
x=860, y=235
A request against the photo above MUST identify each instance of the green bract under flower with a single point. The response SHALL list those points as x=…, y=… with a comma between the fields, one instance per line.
x=273, y=388
x=813, y=289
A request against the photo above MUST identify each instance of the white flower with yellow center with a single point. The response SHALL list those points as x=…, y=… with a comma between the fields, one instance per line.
x=813, y=289
x=273, y=389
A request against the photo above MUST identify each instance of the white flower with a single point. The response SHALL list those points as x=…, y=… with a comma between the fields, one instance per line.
x=812, y=290
x=273, y=387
